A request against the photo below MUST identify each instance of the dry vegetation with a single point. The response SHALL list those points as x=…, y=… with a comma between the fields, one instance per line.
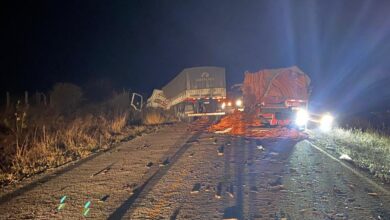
x=154, y=116
x=369, y=149
x=35, y=138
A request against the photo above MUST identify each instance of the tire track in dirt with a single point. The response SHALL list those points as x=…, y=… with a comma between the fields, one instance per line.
x=233, y=174
x=60, y=171
x=116, y=180
x=142, y=191
x=251, y=179
x=228, y=175
x=70, y=166
x=264, y=187
x=239, y=178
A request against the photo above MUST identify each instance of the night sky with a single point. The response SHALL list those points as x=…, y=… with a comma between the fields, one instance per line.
x=344, y=46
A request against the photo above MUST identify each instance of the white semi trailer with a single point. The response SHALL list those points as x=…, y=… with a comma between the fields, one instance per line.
x=197, y=91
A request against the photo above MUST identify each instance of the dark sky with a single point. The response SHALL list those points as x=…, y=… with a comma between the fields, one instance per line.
x=343, y=45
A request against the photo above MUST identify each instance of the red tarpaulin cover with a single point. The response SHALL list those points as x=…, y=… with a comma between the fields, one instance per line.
x=275, y=86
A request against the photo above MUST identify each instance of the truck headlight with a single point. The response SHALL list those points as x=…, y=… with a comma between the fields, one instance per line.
x=326, y=122
x=238, y=103
x=223, y=105
x=302, y=117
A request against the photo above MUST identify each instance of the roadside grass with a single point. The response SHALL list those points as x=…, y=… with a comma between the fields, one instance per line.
x=154, y=117
x=36, y=138
x=44, y=145
x=369, y=149
x=119, y=122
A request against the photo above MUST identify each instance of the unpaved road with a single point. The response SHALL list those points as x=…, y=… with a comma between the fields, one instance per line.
x=199, y=175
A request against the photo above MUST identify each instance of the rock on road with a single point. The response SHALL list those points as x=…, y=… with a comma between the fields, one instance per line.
x=178, y=173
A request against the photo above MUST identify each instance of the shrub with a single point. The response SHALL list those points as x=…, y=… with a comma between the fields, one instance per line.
x=32, y=144
x=119, y=122
x=119, y=102
x=154, y=117
x=65, y=97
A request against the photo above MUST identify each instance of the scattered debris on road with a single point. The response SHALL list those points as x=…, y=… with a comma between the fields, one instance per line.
x=230, y=190
x=227, y=130
x=103, y=171
x=144, y=145
x=345, y=157
x=193, y=142
x=276, y=182
x=230, y=213
x=149, y=165
x=196, y=188
x=253, y=189
x=260, y=147
x=278, y=187
x=165, y=162
x=218, y=191
x=221, y=150
x=248, y=125
x=372, y=194
x=104, y=198
x=129, y=187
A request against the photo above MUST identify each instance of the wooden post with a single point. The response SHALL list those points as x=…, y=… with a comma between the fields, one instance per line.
x=37, y=98
x=8, y=100
x=26, y=98
x=44, y=99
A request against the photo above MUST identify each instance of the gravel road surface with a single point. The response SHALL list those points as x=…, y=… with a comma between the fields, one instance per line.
x=183, y=172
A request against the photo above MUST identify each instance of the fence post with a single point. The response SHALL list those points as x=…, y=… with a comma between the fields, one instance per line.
x=8, y=100
x=44, y=99
x=26, y=98
x=36, y=98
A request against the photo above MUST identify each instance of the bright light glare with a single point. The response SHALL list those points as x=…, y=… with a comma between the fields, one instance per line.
x=326, y=122
x=229, y=104
x=223, y=105
x=238, y=102
x=302, y=117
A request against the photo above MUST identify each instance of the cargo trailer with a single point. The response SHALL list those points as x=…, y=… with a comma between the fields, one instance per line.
x=197, y=91
x=277, y=95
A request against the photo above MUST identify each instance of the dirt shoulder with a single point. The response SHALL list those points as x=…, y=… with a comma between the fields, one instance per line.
x=368, y=151
x=320, y=188
x=111, y=176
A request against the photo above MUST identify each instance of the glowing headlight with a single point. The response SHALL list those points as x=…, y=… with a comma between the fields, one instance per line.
x=302, y=117
x=223, y=105
x=238, y=102
x=229, y=104
x=326, y=122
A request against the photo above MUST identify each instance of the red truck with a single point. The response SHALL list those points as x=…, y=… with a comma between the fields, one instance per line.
x=278, y=96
